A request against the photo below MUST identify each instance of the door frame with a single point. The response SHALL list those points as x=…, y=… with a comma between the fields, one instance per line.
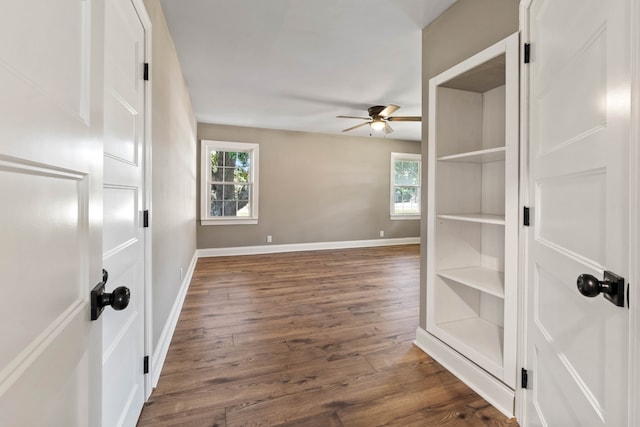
x=634, y=203
x=523, y=235
x=634, y=213
x=147, y=193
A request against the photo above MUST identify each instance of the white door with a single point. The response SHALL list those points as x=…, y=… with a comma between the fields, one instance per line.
x=50, y=211
x=123, y=233
x=577, y=347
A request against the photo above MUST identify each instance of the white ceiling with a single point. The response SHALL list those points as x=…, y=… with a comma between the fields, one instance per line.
x=296, y=64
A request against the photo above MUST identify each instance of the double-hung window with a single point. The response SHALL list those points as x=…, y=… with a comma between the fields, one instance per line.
x=405, y=186
x=229, y=183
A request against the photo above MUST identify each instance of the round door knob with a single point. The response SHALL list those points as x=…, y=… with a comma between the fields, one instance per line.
x=612, y=287
x=588, y=285
x=118, y=299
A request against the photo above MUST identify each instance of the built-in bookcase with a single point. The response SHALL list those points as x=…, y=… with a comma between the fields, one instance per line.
x=472, y=211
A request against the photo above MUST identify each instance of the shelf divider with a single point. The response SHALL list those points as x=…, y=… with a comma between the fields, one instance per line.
x=483, y=279
x=474, y=217
x=479, y=156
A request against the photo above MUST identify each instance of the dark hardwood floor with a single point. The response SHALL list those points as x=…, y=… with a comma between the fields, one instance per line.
x=319, y=338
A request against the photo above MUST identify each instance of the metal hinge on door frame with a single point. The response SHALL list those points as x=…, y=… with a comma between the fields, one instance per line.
x=524, y=378
x=527, y=53
x=145, y=365
x=526, y=220
x=145, y=218
x=146, y=71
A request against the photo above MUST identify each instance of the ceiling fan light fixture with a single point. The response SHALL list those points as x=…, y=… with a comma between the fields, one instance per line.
x=379, y=116
x=378, y=124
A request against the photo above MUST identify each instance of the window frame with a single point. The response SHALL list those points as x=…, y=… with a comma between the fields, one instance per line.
x=411, y=157
x=207, y=146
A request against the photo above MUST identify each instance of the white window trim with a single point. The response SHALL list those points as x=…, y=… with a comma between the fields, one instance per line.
x=207, y=146
x=399, y=157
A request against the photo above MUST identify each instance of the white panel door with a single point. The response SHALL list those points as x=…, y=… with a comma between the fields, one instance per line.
x=577, y=350
x=123, y=234
x=50, y=211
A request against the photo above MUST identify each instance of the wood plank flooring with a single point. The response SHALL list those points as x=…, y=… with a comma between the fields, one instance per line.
x=320, y=338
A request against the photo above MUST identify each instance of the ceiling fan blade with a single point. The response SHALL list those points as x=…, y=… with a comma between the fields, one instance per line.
x=387, y=128
x=353, y=117
x=388, y=110
x=356, y=126
x=405, y=119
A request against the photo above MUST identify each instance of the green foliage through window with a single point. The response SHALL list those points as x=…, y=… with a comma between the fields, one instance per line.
x=230, y=183
x=405, y=187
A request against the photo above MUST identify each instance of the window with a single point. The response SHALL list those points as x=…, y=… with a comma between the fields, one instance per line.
x=229, y=183
x=405, y=186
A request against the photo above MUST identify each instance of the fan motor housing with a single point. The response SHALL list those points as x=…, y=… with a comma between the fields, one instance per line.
x=375, y=110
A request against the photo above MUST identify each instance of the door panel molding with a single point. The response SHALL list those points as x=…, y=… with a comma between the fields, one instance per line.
x=62, y=60
x=56, y=307
x=31, y=353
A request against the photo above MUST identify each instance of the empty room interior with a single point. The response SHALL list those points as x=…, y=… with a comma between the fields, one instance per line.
x=320, y=213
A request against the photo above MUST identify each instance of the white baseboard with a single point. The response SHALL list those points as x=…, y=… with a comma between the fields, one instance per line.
x=492, y=390
x=297, y=247
x=160, y=352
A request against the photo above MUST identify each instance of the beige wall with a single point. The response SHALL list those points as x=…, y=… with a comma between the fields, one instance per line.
x=173, y=210
x=313, y=188
x=464, y=29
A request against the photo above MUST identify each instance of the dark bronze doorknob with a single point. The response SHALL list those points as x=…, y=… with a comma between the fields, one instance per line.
x=118, y=299
x=590, y=286
x=612, y=287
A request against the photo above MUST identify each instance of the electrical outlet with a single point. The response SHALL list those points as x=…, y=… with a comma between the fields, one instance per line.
x=381, y=233
x=269, y=239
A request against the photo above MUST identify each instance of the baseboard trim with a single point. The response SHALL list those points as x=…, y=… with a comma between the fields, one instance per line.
x=492, y=390
x=298, y=247
x=161, y=350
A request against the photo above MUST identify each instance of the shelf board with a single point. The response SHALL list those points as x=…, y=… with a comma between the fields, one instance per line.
x=480, y=278
x=477, y=339
x=483, y=77
x=480, y=156
x=475, y=217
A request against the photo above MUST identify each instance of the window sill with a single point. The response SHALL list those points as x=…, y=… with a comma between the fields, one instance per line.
x=404, y=217
x=229, y=221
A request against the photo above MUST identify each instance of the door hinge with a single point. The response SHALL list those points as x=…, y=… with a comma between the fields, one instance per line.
x=527, y=53
x=145, y=365
x=146, y=71
x=628, y=300
x=524, y=378
x=145, y=218
x=526, y=220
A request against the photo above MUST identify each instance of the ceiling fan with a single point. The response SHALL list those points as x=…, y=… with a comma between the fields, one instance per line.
x=379, y=117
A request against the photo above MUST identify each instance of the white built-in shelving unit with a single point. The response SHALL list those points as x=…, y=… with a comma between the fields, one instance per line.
x=472, y=211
